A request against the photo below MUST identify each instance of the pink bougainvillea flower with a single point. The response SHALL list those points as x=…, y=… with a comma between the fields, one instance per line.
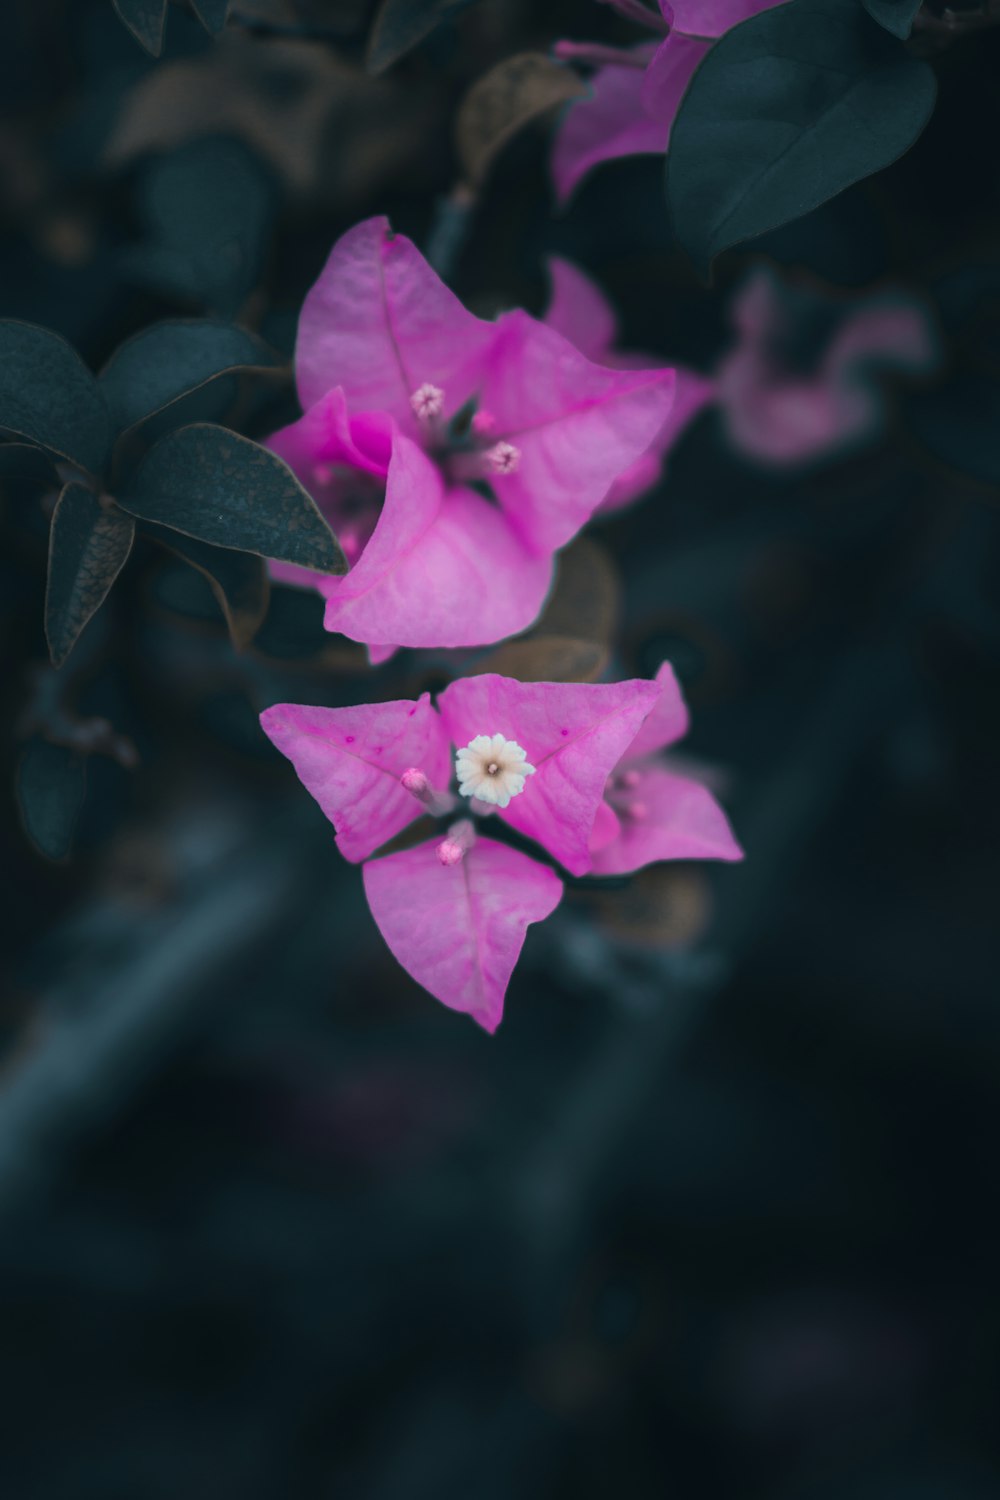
x=782, y=404
x=580, y=312
x=565, y=764
x=412, y=406
x=635, y=93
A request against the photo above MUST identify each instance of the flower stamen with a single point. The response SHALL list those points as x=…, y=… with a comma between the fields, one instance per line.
x=493, y=769
x=504, y=458
x=427, y=402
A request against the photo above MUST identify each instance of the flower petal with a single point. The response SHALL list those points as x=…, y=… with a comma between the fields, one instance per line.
x=351, y=760
x=381, y=323
x=574, y=734
x=681, y=820
x=578, y=426
x=458, y=930
x=667, y=77
x=714, y=17
x=579, y=310
x=443, y=568
x=611, y=122
x=667, y=721
x=692, y=392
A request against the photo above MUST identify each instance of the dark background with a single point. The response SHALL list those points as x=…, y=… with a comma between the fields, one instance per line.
x=712, y=1214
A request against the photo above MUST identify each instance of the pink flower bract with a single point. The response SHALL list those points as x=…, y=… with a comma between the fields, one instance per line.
x=386, y=360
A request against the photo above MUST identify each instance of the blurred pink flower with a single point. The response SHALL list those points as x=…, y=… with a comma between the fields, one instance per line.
x=800, y=381
x=410, y=402
x=635, y=93
x=581, y=313
x=562, y=763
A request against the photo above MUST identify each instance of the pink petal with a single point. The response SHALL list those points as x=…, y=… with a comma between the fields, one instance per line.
x=682, y=820
x=458, y=930
x=574, y=734
x=459, y=575
x=667, y=77
x=578, y=427
x=381, y=323
x=715, y=17
x=883, y=334
x=351, y=760
x=579, y=310
x=611, y=122
x=667, y=721
x=692, y=393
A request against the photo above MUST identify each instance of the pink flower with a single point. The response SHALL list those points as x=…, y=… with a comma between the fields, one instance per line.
x=556, y=762
x=779, y=409
x=411, y=406
x=636, y=93
x=580, y=312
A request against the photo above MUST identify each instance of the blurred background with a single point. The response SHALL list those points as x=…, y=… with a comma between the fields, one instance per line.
x=711, y=1214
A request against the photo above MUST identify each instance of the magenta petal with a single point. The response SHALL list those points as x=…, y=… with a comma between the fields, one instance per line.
x=577, y=426
x=611, y=122
x=351, y=760
x=692, y=392
x=467, y=580
x=579, y=310
x=667, y=721
x=715, y=17
x=326, y=435
x=458, y=930
x=667, y=77
x=574, y=734
x=680, y=820
x=381, y=323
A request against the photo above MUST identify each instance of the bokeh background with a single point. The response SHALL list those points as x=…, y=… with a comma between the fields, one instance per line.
x=712, y=1214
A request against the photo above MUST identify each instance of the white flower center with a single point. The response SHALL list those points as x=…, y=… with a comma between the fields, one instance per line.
x=492, y=768
x=427, y=401
x=504, y=458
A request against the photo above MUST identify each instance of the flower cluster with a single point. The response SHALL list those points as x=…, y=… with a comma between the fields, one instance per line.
x=452, y=456
x=574, y=767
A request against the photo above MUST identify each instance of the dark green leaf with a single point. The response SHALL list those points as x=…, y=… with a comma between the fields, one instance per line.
x=88, y=547
x=25, y=461
x=169, y=359
x=401, y=24
x=51, y=783
x=239, y=580
x=895, y=15
x=211, y=13
x=207, y=210
x=211, y=484
x=146, y=20
x=786, y=111
x=47, y=394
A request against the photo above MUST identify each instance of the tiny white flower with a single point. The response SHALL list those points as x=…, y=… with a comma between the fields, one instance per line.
x=427, y=401
x=492, y=769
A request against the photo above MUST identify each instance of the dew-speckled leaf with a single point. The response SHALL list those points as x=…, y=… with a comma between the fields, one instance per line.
x=211, y=484
x=517, y=90
x=146, y=19
x=786, y=111
x=161, y=363
x=212, y=14
x=896, y=16
x=47, y=394
x=89, y=545
x=239, y=580
x=401, y=24
x=51, y=785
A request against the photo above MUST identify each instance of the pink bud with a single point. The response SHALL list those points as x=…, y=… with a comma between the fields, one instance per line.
x=484, y=423
x=416, y=782
x=630, y=778
x=461, y=837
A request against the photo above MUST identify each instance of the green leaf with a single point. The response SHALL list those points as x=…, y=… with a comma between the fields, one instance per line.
x=401, y=24
x=48, y=395
x=211, y=13
x=896, y=16
x=146, y=20
x=786, y=111
x=89, y=545
x=51, y=784
x=211, y=484
x=25, y=461
x=239, y=580
x=168, y=360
